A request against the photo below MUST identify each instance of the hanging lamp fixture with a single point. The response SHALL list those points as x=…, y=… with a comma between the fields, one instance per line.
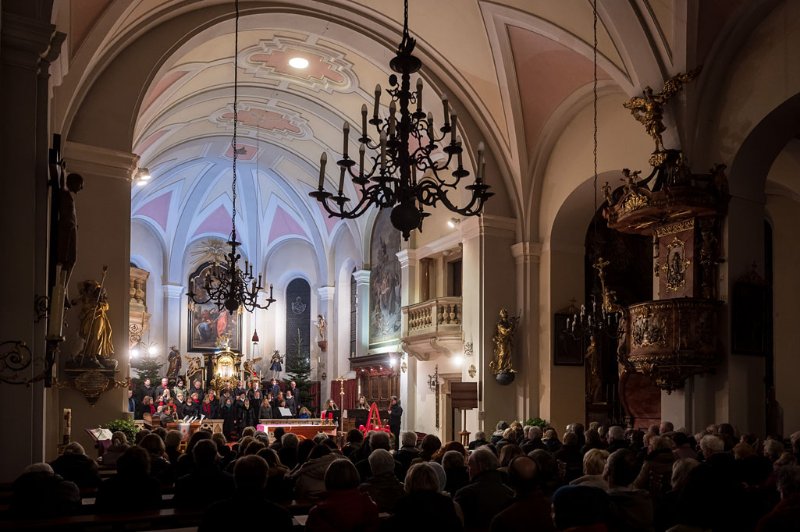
x=590, y=320
x=227, y=285
x=406, y=172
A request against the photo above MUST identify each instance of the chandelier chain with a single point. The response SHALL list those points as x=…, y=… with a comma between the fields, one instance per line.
x=594, y=100
x=235, y=117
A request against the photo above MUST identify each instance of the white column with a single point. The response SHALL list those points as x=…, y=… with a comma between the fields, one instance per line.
x=104, y=223
x=409, y=281
x=362, y=312
x=173, y=294
x=527, y=256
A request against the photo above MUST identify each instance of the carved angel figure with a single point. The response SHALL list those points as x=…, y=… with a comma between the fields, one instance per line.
x=195, y=366
x=249, y=366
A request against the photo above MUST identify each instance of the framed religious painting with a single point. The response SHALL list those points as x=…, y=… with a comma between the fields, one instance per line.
x=568, y=350
x=207, y=324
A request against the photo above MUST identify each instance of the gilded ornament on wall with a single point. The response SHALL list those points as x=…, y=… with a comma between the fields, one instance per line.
x=503, y=340
x=676, y=265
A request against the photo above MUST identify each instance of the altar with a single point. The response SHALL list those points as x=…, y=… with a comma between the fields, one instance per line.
x=307, y=428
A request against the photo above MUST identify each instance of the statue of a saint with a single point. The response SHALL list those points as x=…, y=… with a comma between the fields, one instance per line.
x=595, y=384
x=174, y=359
x=275, y=365
x=95, y=329
x=322, y=325
x=503, y=341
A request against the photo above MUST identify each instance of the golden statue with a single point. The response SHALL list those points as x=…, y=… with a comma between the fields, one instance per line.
x=649, y=108
x=95, y=328
x=503, y=341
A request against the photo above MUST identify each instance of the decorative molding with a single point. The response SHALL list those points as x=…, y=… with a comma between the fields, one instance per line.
x=526, y=252
x=103, y=162
x=362, y=277
x=407, y=256
x=676, y=227
x=326, y=293
x=173, y=291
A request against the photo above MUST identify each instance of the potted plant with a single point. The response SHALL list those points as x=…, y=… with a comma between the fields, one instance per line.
x=126, y=426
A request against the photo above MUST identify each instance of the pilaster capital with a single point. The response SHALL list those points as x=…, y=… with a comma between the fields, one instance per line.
x=173, y=291
x=25, y=40
x=93, y=160
x=326, y=293
x=526, y=252
x=361, y=277
x=407, y=256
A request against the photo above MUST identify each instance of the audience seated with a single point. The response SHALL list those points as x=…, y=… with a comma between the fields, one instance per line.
x=39, y=492
x=383, y=487
x=207, y=483
x=594, y=463
x=656, y=473
x=377, y=440
x=786, y=514
x=309, y=477
x=580, y=509
x=119, y=444
x=132, y=488
x=75, y=466
x=423, y=503
x=160, y=468
x=480, y=439
x=407, y=453
x=530, y=509
x=486, y=495
x=344, y=507
x=631, y=508
x=455, y=468
x=248, y=508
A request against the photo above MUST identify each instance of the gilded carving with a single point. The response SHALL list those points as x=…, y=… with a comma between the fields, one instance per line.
x=649, y=108
x=675, y=227
x=671, y=340
x=675, y=265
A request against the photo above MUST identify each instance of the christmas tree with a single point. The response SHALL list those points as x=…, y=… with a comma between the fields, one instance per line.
x=147, y=368
x=298, y=369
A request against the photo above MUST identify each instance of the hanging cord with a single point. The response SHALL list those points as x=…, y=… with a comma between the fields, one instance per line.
x=594, y=116
x=235, y=117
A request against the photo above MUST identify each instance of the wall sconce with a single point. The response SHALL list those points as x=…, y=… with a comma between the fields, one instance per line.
x=468, y=355
x=403, y=364
x=452, y=223
x=433, y=380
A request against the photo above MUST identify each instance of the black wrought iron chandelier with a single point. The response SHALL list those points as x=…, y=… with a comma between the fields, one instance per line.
x=405, y=172
x=592, y=320
x=228, y=286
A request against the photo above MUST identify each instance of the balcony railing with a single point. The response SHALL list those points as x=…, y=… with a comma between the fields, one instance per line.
x=441, y=315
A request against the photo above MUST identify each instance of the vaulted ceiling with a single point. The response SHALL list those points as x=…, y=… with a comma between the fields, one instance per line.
x=514, y=66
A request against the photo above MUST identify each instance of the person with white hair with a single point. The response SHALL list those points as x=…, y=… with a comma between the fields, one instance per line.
x=594, y=463
x=486, y=495
x=74, y=465
x=480, y=439
x=710, y=445
x=383, y=487
x=616, y=438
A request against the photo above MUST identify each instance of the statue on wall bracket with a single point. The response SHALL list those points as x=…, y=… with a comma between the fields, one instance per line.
x=503, y=340
x=93, y=370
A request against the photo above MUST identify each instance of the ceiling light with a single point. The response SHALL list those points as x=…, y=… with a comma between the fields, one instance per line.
x=453, y=222
x=458, y=360
x=298, y=62
x=144, y=174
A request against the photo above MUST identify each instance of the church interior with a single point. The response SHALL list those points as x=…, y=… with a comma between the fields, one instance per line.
x=634, y=264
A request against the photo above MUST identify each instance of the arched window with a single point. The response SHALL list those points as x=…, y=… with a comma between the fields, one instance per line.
x=298, y=320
